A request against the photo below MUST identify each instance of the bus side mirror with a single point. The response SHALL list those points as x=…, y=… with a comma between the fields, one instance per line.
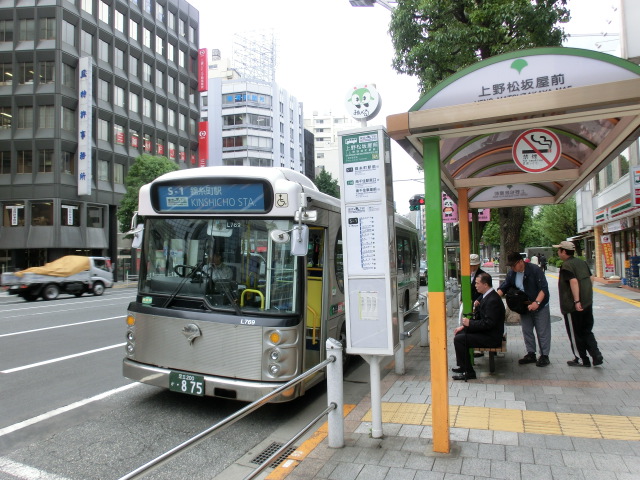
x=300, y=240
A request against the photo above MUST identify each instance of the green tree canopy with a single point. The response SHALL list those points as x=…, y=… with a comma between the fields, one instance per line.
x=557, y=222
x=145, y=169
x=327, y=184
x=434, y=39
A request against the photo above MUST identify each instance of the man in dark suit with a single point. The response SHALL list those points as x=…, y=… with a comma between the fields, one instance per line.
x=485, y=329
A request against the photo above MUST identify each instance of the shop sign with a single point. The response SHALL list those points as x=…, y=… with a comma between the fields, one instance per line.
x=607, y=252
x=635, y=185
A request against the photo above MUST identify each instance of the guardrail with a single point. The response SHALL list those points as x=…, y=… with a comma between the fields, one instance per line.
x=131, y=278
x=334, y=410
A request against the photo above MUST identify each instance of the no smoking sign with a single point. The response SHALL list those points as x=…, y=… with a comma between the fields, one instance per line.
x=536, y=150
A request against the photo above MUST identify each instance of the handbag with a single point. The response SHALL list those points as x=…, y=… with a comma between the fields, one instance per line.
x=517, y=300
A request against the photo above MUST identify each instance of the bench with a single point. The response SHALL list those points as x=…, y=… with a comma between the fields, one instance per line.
x=493, y=351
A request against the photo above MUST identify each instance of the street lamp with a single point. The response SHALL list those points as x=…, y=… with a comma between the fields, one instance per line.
x=370, y=3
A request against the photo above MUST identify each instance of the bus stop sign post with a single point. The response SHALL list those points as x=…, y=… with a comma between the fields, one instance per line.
x=369, y=242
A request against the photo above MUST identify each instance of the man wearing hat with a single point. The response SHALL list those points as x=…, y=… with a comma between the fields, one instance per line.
x=576, y=304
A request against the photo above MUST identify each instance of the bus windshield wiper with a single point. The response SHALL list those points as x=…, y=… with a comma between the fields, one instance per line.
x=174, y=294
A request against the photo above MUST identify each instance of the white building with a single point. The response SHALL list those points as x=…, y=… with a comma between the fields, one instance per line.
x=325, y=129
x=250, y=122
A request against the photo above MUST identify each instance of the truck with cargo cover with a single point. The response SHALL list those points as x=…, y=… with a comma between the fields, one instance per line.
x=72, y=274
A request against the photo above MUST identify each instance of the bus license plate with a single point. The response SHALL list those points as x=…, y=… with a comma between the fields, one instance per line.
x=186, y=383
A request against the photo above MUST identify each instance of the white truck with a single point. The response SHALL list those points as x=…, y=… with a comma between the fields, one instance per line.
x=73, y=274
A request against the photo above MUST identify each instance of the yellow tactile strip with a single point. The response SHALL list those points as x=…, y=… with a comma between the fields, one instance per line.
x=611, y=427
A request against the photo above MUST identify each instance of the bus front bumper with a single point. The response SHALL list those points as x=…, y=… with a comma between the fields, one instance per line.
x=230, y=388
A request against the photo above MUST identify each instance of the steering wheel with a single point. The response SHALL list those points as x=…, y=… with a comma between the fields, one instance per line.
x=183, y=270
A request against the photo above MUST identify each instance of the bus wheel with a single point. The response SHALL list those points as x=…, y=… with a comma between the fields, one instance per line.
x=346, y=359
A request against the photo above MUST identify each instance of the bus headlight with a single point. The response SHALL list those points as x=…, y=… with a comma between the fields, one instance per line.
x=274, y=354
x=274, y=369
x=131, y=341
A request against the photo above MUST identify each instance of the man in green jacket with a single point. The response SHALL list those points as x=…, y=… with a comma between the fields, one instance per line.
x=575, y=290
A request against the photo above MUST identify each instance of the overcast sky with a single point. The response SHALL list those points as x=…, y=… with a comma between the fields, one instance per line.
x=326, y=47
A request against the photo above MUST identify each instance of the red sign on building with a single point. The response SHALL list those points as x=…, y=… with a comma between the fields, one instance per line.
x=134, y=141
x=203, y=143
x=160, y=149
x=203, y=70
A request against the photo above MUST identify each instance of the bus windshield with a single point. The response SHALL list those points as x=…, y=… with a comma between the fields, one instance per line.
x=227, y=264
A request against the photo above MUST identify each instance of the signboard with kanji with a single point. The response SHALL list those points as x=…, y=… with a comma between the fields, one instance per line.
x=536, y=150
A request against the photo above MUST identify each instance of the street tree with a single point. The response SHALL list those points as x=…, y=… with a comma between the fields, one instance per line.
x=145, y=169
x=434, y=39
x=327, y=184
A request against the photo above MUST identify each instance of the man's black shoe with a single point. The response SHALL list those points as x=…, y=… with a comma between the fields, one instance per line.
x=598, y=360
x=543, y=361
x=465, y=376
x=457, y=370
x=528, y=358
x=577, y=363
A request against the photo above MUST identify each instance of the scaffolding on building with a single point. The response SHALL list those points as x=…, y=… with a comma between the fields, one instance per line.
x=254, y=55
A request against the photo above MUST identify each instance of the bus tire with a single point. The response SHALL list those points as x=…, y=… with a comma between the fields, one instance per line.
x=50, y=292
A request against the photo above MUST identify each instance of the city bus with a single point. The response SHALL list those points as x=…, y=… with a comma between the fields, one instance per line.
x=241, y=282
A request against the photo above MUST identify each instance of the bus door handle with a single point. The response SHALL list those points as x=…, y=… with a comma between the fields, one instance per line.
x=315, y=325
x=252, y=291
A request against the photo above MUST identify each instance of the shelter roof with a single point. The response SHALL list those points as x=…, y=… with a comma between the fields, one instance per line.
x=588, y=100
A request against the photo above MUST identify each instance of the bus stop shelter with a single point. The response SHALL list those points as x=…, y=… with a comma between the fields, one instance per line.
x=526, y=128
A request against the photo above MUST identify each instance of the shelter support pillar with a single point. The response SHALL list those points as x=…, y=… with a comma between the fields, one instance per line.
x=437, y=298
x=465, y=248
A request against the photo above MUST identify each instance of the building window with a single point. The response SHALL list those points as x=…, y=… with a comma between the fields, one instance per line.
x=118, y=173
x=118, y=96
x=119, y=21
x=27, y=30
x=134, y=138
x=103, y=50
x=48, y=28
x=68, y=119
x=103, y=13
x=68, y=33
x=192, y=34
x=25, y=73
x=118, y=134
x=133, y=66
x=133, y=29
x=5, y=117
x=6, y=73
x=103, y=90
x=95, y=216
x=146, y=72
x=171, y=20
x=25, y=117
x=87, y=6
x=47, y=72
x=159, y=113
x=147, y=6
x=68, y=76
x=67, y=163
x=86, y=42
x=170, y=52
x=192, y=127
x=104, y=127
x=182, y=121
x=171, y=85
x=171, y=118
x=182, y=90
x=13, y=214
x=159, y=80
x=182, y=27
x=181, y=57
x=70, y=215
x=146, y=37
x=159, y=45
x=146, y=107
x=134, y=102
x=146, y=142
x=42, y=213
x=172, y=150
x=45, y=161
x=103, y=170
x=6, y=30
x=119, y=58
x=159, y=13
x=46, y=116
x=25, y=161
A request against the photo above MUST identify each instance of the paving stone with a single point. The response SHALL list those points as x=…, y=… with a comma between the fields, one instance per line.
x=373, y=472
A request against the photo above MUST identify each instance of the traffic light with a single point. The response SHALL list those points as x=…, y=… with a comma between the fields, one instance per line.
x=416, y=202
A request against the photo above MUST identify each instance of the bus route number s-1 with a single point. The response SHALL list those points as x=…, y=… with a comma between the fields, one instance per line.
x=186, y=383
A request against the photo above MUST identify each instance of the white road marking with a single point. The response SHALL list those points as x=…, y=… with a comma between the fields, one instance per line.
x=58, y=411
x=54, y=360
x=21, y=471
x=59, y=326
x=49, y=306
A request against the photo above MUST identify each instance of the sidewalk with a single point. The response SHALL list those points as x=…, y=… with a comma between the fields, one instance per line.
x=523, y=422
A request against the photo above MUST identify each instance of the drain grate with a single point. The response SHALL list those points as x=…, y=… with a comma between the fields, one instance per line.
x=270, y=450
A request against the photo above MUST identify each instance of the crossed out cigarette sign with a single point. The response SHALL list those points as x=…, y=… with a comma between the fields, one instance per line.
x=536, y=150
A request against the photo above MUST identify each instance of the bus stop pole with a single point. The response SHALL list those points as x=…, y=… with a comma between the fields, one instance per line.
x=437, y=298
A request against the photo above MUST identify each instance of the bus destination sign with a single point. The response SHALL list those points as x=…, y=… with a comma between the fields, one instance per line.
x=246, y=197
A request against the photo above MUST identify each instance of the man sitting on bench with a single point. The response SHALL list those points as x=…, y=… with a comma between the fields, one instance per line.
x=485, y=329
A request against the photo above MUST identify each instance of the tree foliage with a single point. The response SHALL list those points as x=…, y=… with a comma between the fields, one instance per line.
x=327, y=184
x=557, y=222
x=145, y=169
x=433, y=39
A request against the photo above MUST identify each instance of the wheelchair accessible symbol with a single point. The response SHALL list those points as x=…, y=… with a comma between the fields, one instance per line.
x=282, y=200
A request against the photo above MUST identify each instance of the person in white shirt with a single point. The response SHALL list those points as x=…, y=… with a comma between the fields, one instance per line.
x=218, y=270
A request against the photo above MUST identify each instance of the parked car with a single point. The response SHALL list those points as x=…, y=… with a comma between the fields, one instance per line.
x=424, y=278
